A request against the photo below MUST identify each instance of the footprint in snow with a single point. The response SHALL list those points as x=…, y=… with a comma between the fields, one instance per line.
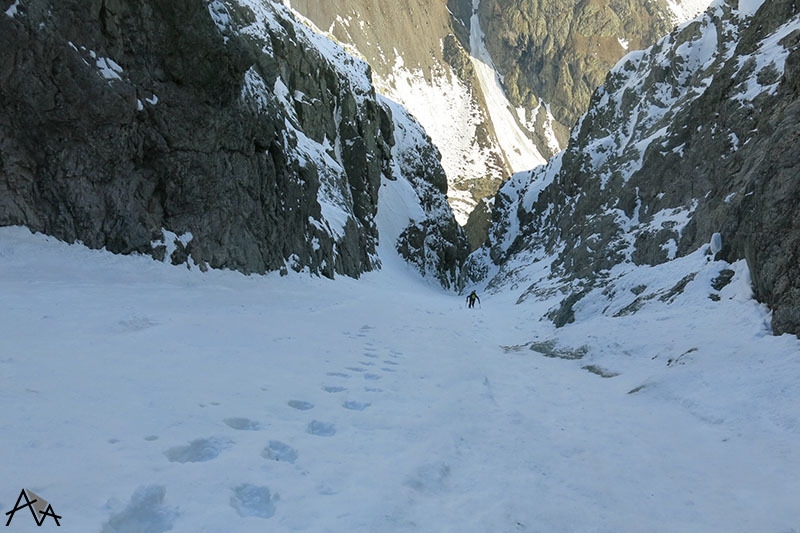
x=333, y=389
x=372, y=377
x=354, y=369
x=145, y=512
x=253, y=500
x=430, y=478
x=300, y=405
x=321, y=429
x=279, y=451
x=355, y=406
x=242, y=424
x=198, y=451
x=136, y=323
x=338, y=374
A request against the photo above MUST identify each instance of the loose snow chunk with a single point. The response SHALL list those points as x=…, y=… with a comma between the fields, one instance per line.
x=12, y=11
x=109, y=69
x=283, y=96
x=676, y=218
x=169, y=240
x=671, y=248
x=734, y=141
x=300, y=96
x=255, y=89
x=716, y=243
x=219, y=14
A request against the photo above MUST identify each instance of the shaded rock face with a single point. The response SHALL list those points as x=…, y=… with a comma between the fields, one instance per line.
x=478, y=225
x=693, y=137
x=127, y=123
x=561, y=52
x=436, y=245
x=766, y=225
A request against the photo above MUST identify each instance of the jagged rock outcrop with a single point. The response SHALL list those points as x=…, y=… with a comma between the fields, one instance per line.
x=224, y=132
x=695, y=136
x=478, y=225
x=416, y=217
x=436, y=244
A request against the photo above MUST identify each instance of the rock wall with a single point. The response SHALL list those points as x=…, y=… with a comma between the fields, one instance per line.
x=123, y=119
x=224, y=131
x=695, y=136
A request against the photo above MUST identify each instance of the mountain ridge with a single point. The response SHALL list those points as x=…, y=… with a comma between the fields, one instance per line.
x=688, y=142
x=509, y=110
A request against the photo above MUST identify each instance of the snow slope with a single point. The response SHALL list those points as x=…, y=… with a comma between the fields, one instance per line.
x=139, y=396
x=442, y=105
x=518, y=147
x=684, y=10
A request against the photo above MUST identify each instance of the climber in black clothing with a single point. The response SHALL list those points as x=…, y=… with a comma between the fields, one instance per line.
x=471, y=299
